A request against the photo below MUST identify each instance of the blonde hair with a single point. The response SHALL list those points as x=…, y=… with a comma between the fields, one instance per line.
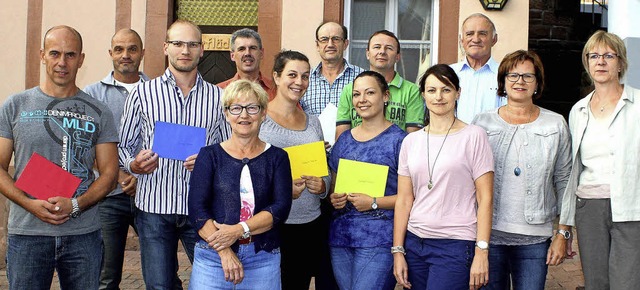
x=240, y=88
x=603, y=38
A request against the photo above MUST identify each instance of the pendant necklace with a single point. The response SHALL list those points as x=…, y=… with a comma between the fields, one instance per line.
x=429, y=167
x=517, y=171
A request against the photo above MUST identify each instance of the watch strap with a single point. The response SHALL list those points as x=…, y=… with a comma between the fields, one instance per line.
x=75, y=208
x=247, y=231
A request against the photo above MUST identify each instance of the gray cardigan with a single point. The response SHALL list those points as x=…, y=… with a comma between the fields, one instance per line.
x=547, y=153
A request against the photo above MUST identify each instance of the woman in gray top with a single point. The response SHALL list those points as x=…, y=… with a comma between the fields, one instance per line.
x=532, y=157
x=303, y=236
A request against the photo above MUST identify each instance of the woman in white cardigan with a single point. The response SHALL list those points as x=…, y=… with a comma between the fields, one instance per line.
x=602, y=197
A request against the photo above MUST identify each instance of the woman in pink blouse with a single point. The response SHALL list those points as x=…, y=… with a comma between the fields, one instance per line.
x=445, y=183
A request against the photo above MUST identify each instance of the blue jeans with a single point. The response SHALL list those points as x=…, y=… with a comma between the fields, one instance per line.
x=117, y=213
x=261, y=269
x=438, y=263
x=31, y=261
x=525, y=265
x=159, y=235
x=363, y=268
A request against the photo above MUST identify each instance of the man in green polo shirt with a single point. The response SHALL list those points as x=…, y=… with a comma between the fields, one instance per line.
x=405, y=107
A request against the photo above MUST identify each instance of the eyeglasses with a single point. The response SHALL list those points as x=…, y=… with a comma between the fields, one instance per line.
x=335, y=39
x=514, y=77
x=181, y=44
x=237, y=109
x=606, y=56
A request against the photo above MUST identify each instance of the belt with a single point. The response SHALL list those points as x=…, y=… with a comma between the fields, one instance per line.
x=245, y=241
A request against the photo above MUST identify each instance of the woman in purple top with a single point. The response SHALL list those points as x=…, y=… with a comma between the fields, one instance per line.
x=445, y=185
x=361, y=228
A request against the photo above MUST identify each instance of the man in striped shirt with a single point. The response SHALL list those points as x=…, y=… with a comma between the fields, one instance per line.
x=179, y=96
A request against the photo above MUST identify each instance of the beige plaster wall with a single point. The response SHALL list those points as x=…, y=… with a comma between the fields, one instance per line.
x=12, y=62
x=95, y=20
x=511, y=23
x=299, y=22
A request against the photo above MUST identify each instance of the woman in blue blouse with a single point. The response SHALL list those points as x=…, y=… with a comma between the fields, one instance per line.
x=240, y=193
x=361, y=230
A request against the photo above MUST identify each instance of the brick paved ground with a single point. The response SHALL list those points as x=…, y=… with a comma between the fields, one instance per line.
x=567, y=276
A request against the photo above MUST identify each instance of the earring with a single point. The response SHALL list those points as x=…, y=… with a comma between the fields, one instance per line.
x=535, y=92
x=504, y=92
x=386, y=103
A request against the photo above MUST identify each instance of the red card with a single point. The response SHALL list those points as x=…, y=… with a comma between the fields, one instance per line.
x=43, y=179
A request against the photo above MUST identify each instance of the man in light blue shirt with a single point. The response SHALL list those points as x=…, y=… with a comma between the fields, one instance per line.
x=478, y=72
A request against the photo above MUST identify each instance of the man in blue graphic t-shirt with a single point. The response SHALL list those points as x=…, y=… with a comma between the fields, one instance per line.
x=69, y=128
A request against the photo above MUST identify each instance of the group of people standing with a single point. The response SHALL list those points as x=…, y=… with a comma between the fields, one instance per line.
x=476, y=179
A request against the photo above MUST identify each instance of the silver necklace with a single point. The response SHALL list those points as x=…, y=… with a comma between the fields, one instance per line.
x=517, y=171
x=429, y=167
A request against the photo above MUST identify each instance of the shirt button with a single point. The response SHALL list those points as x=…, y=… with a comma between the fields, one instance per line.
x=526, y=143
x=528, y=192
x=521, y=126
x=528, y=165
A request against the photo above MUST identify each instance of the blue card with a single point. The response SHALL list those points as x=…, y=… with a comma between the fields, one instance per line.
x=175, y=141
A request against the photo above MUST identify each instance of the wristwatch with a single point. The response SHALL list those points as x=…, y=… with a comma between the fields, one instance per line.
x=482, y=245
x=75, y=208
x=374, y=205
x=398, y=249
x=565, y=234
x=247, y=232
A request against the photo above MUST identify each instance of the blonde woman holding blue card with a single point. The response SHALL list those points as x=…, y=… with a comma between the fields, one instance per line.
x=362, y=226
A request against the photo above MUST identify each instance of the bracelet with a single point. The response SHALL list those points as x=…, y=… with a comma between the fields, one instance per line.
x=398, y=249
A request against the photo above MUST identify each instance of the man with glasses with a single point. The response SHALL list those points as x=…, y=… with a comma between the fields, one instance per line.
x=116, y=210
x=405, y=107
x=179, y=96
x=478, y=72
x=247, y=53
x=327, y=80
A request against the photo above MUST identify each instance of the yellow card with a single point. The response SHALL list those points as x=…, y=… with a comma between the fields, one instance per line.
x=308, y=159
x=362, y=177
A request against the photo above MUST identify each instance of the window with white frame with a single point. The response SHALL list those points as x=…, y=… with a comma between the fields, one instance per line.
x=413, y=21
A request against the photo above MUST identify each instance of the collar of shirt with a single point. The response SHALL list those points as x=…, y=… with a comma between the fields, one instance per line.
x=264, y=82
x=111, y=81
x=584, y=102
x=317, y=71
x=491, y=64
x=397, y=81
x=168, y=77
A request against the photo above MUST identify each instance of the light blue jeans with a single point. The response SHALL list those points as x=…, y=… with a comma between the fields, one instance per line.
x=363, y=268
x=261, y=270
x=31, y=261
x=524, y=266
